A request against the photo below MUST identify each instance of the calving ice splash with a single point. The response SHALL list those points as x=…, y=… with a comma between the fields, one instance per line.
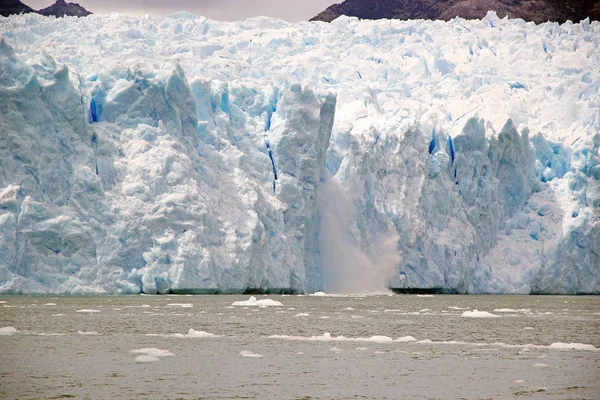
x=186, y=155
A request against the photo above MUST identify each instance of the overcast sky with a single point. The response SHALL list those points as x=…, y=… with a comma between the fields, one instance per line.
x=290, y=10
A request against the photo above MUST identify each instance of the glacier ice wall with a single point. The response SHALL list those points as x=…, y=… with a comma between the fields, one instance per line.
x=186, y=155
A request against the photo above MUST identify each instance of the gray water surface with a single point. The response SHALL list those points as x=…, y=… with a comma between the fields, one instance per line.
x=58, y=352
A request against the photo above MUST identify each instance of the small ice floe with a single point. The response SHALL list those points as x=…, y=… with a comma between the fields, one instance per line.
x=361, y=348
x=324, y=317
x=424, y=295
x=406, y=339
x=2, y=302
x=86, y=333
x=302, y=315
x=151, y=354
x=326, y=337
x=50, y=304
x=58, y=315
x=425, y=310
x=300, y=353
x=249, y=354
x=320, y=294
x=349, y=309
x=196, y=334
x=519, y=381
x=86, y=310
x=182, y=305
x=253, y=302
x=8, y=330
x=457, y=308
x=573, y=346
x=479, y=314
x=540, y=365
x=192, y=333
x=529, y=328
x=512, y=310
x=335, y=350
x=50, y=334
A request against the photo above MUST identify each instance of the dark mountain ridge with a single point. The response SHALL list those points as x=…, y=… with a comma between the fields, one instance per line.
x=61, y=8
x=537, y=11
x=58, y=9
x=10, y=7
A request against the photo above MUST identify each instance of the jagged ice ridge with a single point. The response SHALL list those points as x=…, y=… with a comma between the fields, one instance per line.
x=186, y=155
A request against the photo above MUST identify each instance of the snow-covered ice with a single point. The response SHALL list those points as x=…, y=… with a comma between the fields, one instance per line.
x=8, y=330
x=182, y=305
x=253, y=302
x=187, y=155
x=88, y=311
x=250, y=354
x=302, y=315
x=151, y=354
x=479, y=314
x=326, y=337
x=573, y=346
x=196, y=334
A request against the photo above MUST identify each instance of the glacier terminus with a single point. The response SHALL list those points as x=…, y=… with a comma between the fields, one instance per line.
x=185, y=155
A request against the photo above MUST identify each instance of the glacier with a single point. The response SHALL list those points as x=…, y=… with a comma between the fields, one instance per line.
x=184, y=155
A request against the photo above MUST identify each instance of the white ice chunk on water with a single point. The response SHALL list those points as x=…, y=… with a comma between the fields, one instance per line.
x=253, y=302
x=8, y=330
x=196, y=334
x=88, y=311
x=326, y=337
x=406, y=339
x=573, y=346
x=479, y=314
x=249, y=354
x=151, y=354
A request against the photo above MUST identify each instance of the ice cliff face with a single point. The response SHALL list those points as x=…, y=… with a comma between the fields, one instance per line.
x=190, y=156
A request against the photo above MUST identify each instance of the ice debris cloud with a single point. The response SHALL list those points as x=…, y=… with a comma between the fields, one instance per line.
x=184, y=155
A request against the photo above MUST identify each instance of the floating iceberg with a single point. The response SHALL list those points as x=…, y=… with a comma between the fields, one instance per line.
x=184, y=155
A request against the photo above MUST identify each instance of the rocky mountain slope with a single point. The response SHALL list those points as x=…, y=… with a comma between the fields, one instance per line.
x=530, y=10
x=62, y=8
x=58, y=9
x=10, y=7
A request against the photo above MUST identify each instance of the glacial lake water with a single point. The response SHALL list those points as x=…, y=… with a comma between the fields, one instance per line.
x=393, y=347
